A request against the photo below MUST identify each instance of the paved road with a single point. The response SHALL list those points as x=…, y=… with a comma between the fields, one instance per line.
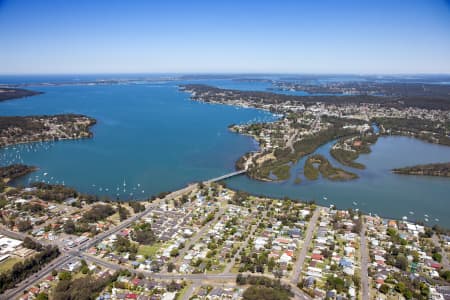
x=35, y=278
x=65, y=257
x=195, y=278
x=188, y=294
x=21, y=236
x=13, y=234
x=230, y=265
x=364, y=263
x=199, y=234
x=135, y=217
x=436, y=242
x=78, y=251
x=301, y=256
x=290, y=141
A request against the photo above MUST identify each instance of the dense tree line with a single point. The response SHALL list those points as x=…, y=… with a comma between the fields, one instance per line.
x=24, y=225
x=405, y=97
x=15, y=171
x=430, y=131
x=14, y=93
x=123, y=244
x=98, y=212
x=439, y=169
x=143, y=234
x=53, y=192
x=325, y=168
x=23, y=270
x=123, y=213
x=85, y=288
x=24, y=129
x=31, y=244
x=264, y=288
x=239, y=197
x=303, y=147
x=347, y=157
x=136, y=206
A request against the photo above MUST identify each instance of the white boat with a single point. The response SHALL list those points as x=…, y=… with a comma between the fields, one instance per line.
x=405, y=218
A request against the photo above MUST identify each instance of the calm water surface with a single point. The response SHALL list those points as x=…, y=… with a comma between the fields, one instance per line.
x=377, y=190
x=151, y=138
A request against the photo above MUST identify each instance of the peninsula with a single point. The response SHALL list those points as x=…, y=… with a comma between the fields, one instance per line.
x=308, y=122
x=25, y=129
x=14, y=171
x=439, y=169
x=14, y=93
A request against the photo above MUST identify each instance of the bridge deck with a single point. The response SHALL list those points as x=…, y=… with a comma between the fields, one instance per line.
x=226, y=176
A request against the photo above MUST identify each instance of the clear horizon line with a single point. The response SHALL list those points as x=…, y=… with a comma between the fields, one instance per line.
x=230, y=73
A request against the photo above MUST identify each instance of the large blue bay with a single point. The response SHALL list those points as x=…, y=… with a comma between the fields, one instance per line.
x=151, y=138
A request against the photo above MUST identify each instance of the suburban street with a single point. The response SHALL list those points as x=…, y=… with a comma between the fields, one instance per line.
x=364, y=264
x=230, y=265
x=200, y=233
x=196, y=279
x=445, y=262
x=18, y=290
x=302, y=255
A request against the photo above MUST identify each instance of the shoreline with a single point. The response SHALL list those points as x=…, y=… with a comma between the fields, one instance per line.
x=8, y=94
x=44, y=128
x=205, y=103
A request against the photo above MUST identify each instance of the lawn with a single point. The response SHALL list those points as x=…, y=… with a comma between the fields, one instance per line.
x=7, y=264
x=150, y=251
x=220, y=269
x=114, y=218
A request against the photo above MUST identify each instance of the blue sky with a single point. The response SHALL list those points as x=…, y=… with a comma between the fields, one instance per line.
x=380, y=36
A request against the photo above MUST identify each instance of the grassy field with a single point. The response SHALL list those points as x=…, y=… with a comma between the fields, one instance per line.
x=7, y=264
x=150, y=251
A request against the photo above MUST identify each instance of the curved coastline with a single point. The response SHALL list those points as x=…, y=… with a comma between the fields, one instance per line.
x=304, y=185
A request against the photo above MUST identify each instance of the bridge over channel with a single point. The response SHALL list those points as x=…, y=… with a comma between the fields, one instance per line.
x=226, y=176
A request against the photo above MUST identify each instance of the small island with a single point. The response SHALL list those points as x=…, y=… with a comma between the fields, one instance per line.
x=317, y=163
x=439, y=169
x=14, y=93
x=18, y=129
